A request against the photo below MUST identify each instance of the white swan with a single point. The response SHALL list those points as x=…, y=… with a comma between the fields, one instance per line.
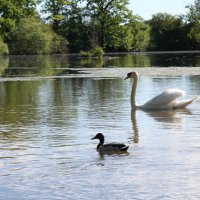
x=164, y=101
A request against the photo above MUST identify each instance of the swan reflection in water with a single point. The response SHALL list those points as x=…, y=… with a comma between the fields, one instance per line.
x=167, y=118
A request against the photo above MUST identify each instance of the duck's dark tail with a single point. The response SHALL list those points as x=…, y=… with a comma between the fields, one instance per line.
x=125, y=148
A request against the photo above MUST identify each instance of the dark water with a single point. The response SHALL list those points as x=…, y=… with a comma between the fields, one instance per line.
x=58, y=65
x=46, y=151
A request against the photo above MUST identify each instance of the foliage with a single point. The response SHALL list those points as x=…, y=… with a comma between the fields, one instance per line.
x=132, y=36
x=11, y=11
x=53, y=10
x=65, y=16
x=32, y=36
x=193, y=14
x=193, y=26
x=104, y=16
x=86, y=53
x=193, y=36
x=96, y=52
x=57, y=11
x=3, y=48
x=74, y=29
x=167, y=32
x=141, y=35
x=58, y=44
x=74, y=25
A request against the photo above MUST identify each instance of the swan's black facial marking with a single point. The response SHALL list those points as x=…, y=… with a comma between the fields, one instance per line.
x=128, y=75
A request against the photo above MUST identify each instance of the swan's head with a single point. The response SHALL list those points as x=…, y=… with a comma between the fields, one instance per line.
x=132, y=75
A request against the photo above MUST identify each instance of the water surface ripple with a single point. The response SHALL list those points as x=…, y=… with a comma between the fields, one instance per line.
x=46, y=151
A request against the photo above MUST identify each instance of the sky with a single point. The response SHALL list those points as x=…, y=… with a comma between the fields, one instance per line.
x=146, y=8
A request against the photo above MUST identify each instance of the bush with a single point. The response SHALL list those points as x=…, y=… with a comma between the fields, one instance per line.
x=59, y=44
x=96, y=52
x=3, y=48
x=32, y=36
x=86, y=53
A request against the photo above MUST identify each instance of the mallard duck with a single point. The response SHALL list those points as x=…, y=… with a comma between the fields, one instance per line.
x=111, y=147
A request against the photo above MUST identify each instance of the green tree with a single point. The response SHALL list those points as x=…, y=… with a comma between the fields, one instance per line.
x=131, y=36
x=65, y=17
x=32, y=36
x=11, y=11
x=53, y=10
x=193, y=24
x=90, y=23
x=57, y=11
x=137, y=34
x=74, y=29
x=105, y=16
x=167, y=32
x=193, y=14
x=3, y=48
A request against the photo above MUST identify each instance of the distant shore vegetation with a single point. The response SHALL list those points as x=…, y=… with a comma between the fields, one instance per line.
x=29, y=27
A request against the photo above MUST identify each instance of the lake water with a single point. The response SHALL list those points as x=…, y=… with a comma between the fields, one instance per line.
x=48, y=115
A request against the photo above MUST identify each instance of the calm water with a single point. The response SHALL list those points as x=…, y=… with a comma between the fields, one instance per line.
x=46, y=151
x=59, y=65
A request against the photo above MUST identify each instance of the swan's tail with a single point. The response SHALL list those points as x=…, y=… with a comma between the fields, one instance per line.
x=184, y=103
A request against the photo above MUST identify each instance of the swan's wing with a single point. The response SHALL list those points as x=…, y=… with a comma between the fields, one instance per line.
x=164, y=98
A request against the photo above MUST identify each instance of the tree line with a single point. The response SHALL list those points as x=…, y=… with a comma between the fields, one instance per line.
x=70, y=26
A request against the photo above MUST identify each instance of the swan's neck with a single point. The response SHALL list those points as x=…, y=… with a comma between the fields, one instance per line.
x=133, y=93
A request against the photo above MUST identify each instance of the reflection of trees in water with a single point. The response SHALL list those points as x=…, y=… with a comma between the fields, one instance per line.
x=193, y=82
x=92, y=62
x=18, y=109
x=64, y=102
x=4, y=62
x=130, y=61
x=65, y=99
x=29, y=107
x=100, y=97
x=41, y=65
x=17, y=99
x=52, y=65
x=175, y=59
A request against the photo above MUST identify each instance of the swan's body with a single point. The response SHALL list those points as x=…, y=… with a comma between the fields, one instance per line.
x=166, y=100
x=111, y=147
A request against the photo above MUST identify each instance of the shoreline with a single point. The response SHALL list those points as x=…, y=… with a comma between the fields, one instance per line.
x=105, y=73
x=112, y=53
